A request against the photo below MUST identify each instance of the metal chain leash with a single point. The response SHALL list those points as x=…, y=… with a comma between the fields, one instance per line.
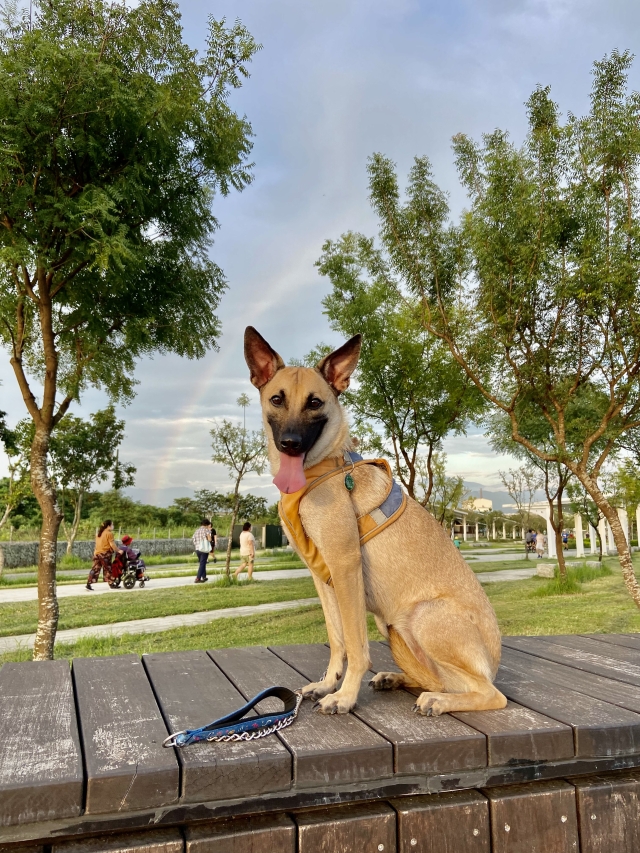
x=276, y=727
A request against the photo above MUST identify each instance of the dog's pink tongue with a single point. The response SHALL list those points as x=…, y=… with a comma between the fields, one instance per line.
x=290, y=478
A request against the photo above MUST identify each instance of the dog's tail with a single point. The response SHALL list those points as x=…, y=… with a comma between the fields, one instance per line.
x=415, y=664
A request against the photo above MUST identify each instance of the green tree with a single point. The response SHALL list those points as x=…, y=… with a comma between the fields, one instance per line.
x=84, y=453
x=114, y=138
x=442, y=494
x=410, y=392
x=521, y=485
x=242, y=453
x=537, y=291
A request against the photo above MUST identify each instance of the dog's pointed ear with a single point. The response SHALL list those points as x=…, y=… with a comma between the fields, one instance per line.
x=263, y=361
x=338, y=366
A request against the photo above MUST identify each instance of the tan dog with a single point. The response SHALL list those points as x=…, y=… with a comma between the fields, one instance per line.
x=441, y=627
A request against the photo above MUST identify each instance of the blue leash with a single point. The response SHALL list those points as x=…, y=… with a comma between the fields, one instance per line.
x=233, y=727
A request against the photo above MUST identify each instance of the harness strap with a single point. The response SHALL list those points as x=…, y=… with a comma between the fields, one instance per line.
x=233, y=727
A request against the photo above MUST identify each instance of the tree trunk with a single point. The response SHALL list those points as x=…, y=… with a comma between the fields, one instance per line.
x=51, y=518
x=71, y=537
x=557, y=530
x=234, y=515
x=624, y=552
x=5, y=515
x=1, y=562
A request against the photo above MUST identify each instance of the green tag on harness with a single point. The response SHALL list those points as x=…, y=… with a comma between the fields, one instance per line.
x=348, y=482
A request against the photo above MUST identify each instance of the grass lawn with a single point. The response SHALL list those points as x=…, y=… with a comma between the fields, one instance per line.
x=118, y=606
x=523, y=607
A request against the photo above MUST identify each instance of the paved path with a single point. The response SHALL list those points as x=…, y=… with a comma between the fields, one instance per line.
x=506, y=575
x=30, y=593
x=153, y=626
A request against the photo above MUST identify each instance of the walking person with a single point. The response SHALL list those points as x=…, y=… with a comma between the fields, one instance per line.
x=202, y=543
x=247, y=550
x=540, y=537
x=103, y=554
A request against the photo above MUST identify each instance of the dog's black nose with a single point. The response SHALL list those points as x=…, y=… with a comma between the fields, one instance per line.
x=290, y=442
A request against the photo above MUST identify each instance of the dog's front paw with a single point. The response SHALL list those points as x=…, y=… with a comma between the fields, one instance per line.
x=387, y=681
x=318, y=689
x=335, y=704
x=432, y=704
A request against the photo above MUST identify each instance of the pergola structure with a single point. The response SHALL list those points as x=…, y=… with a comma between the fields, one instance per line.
x=504, y=521
x=604, y=529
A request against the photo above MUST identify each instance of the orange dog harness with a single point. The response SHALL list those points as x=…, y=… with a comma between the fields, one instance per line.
x=369, y=524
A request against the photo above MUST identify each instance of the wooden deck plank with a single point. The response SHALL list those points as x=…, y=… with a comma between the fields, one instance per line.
x=421, y=745
x=326, y=750
x=347, y=829
x=630, y=641
x=536, y=818
x=609, y=813
x=41, y=773
x=456, y=822
x=596, y=686
x=152, y=841
x=616, y=662
x=515, y=734
x=192, y=692
x=122, y=732
x=599, y=728
x=255, y=834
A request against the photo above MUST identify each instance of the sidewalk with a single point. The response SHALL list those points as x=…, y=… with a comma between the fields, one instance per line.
x=30, y=593
x=153, y=626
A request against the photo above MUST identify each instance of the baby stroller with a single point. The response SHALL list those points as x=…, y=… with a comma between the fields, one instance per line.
x=127, y=568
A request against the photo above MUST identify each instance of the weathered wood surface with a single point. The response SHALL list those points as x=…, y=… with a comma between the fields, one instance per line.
x=326, y=750
x=574, y=709
x=440, y=745
x=599, y=728
x=609, y=813
x=515, y=734
x=631, y=641
x=536, y=818
x=192, y=692
x=612, y=661
x=256, y=834
x=347, y=829
x=41, y=773
x=122, y=732
x=456, y=822
x=596, y=686
x=153, y=841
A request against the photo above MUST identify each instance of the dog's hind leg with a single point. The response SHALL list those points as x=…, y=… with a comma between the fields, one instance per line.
x=328, y=684
x=444, y=651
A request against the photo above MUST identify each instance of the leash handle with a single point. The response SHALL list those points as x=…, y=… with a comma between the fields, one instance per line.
x=234, y=728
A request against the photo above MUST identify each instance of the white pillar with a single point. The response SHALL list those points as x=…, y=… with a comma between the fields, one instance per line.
x=513, y=531
x=477, y=531
x=494, y=531
x=504, y=530
x=611, y=545
x=602, y=530
x=551, y=536
x=592, y=540
x=624, y=521
x=523, y=534
x=638, y=523
x=577, y=523
x=464, y=528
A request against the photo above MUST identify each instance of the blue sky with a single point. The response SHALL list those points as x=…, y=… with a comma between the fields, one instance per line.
x=334, y=82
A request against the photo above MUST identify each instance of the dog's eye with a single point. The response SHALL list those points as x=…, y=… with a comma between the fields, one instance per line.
x=276, y=400
x=315, y=403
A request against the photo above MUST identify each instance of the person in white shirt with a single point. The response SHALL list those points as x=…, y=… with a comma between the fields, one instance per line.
x=202, y=544
x=247, y=550
x=540, y=543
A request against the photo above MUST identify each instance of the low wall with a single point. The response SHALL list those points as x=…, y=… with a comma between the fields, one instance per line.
x=26, y=553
